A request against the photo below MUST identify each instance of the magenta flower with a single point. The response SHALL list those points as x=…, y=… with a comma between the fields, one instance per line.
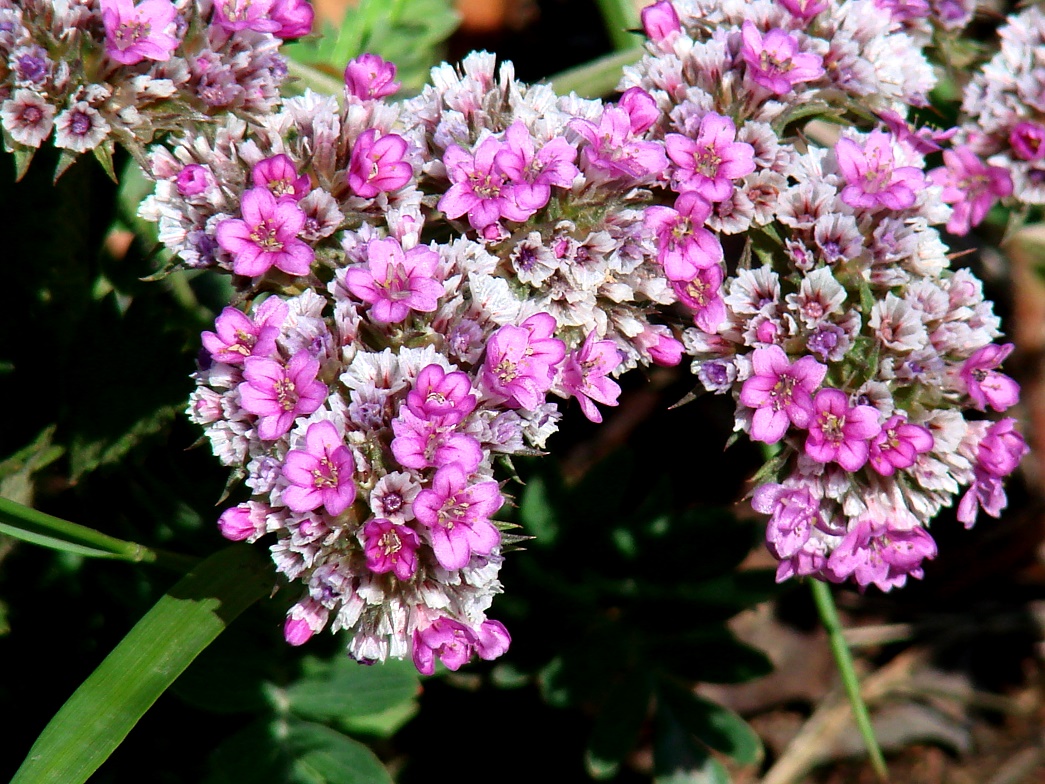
x=898, y=445
x=840, y=433
x=448, y=640
x=278, y=394
x=394, y=283
x=245, y=522
x=193, y=180
x=775, y=61
x=437, y=393
x=266, y=237
x=233, y=15
x=684, y=246
x=1001, y=448
x=493, y=640
x=710, y=163
x=660, y=20
x=703, y=294
x=238, y=338
x=369, y=78
x=533, y=174
x=985, y=385
x=780, y=392
x=303, y=620
x=794, y=513
x=457, y=516
x=641, y=108
x=391, y=548
x=137, y=32
x=424, y=442
x=1028, y=141
x=520, y=361
x=295, y=18
x=872, y=179
x=585, y=375
x=664, y=349
x=321, y=473
x=876, y=553
x=613, y=148
x=479, y=188
x=804, y=9
x=279, y=176
x=971, y=186
x=378, y=165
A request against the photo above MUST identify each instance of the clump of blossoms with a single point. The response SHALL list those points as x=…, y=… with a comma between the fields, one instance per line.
x=90, y=75
x=416, y=281
x=847, y=341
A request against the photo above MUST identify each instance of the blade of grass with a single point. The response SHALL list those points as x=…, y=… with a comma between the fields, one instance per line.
x=620, y=18
x=98, y=716
x=598, y=78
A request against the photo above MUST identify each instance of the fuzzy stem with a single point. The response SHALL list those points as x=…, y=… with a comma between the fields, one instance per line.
x=825, y=605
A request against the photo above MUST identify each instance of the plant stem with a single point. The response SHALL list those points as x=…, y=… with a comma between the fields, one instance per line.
x=825, y=605
x=620, y=17
x=597, y=78
x=40, y=528
x=316, y=79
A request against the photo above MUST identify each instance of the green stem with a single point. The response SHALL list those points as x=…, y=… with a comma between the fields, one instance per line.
x=314, y=78
x=620, y=17
x=30, y=525
x=595, y=79
x=825, y=605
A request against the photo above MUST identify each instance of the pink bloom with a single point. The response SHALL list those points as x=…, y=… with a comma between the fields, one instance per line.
x=641, y=108
x=437, y=393
x=1001, y=448
x=321, y=473
x=839, y=433
x=804, y=9
x=971, y=186
x=450, y=641
x=266, y=237
x=193, y=180
x=684, y=246
x=520, y=361
x=457, y=516
x=710, y=163
x=370, y=78
x=303, y=620
x=233, y=15
x=493, y=640
x=898, y=445
x=395, y=283
x=613, y=148
x=872, y=179
x=774, y=62
x=295, y=18
x=533, y=175
x=479, y=188
x=424, y=442
x=923, y=140
x=876, y=552
x=378, y=165
x=278, y=394
x=135, y=33
x=238, y=338
x=391, y=548
x=660, y=21
x=985, y=385
x=780, y=392
x=585, y=375
x=279, y=175
x=1028, y=141
x=703, y=294
x=664, y=349
x=245, y=522
x=794, y=513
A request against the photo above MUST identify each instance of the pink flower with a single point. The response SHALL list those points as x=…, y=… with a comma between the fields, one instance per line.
x=804, y=9
x=660, y=21
x=585, y=375
x=321, y=473
x=437, y=393
x=193, y=180
x=971, y=186
x=872, y=179
x=377, y=164
x=641, y=108
x=704, y=296
x=266, y=237
x=137, y=32
x=493, y=640
x=613, y=148
x=984, y=384
x=775, y=62
x=295, y=18
x=281, y=178
x=684, y=246
x=898, y=445
x=303, y=620
x=794, y=513
x=879, y=553
x=457, y=516
x=664, y=349
x=369, y=78
x=533, y=174
x=424, y=442
x=390, y=548
x=520, y=361
x=238, y=338
x=394, y=283
x=278, y=394
x=839, y=433
x=780, y=392
x=1028, y=141
x=710, y=163
x=1001, y=448
x=233, y=15
x=245, y=522
x=479, y=188
x=448, y=640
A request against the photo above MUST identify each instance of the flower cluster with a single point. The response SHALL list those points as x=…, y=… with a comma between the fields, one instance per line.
x=94, y=74
x=421, y=277
x=847, y=341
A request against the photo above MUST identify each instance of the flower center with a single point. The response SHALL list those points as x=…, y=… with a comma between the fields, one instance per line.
x=286, y=394
x=326, y=475
x=780, y=395
x=129, y=33
x=390, y=543
x=264, y=235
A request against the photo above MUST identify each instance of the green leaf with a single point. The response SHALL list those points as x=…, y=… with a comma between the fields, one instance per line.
x=16, y=472
x=537, y=511
x=599, y=77
x=678, y=758
x=381, y=725
x=343, y=688
x=713, y=725
x=98, y=716
x=618, y=725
